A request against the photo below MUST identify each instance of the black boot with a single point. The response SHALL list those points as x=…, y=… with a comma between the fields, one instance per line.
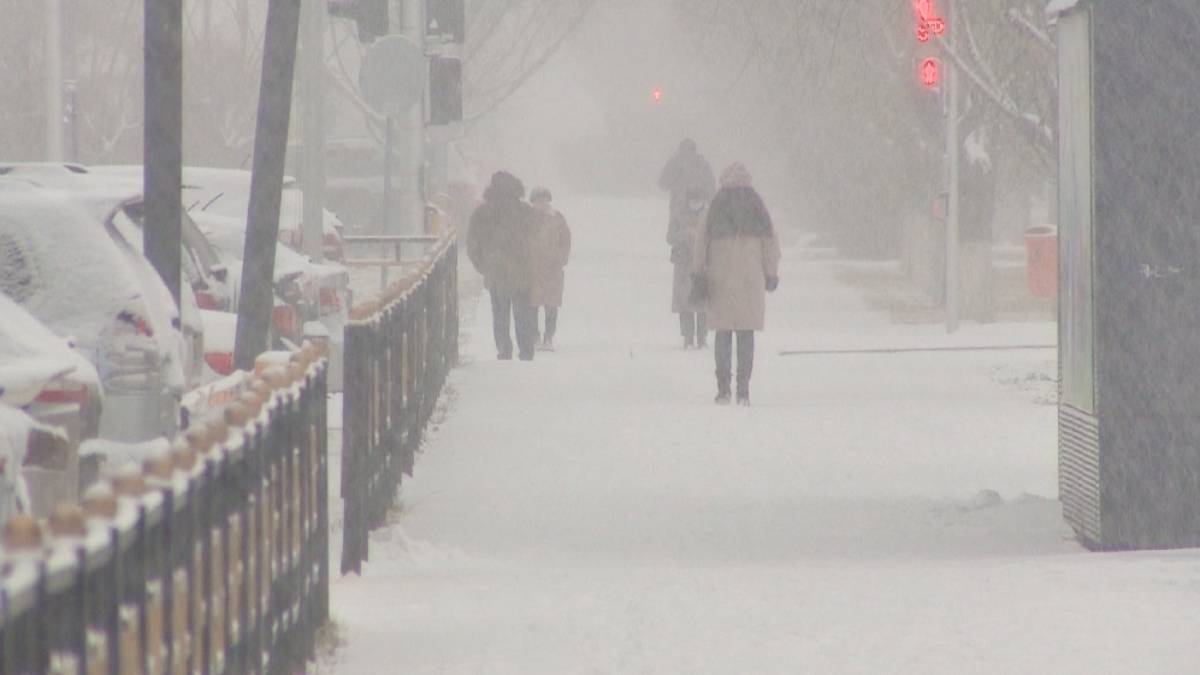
x=745, y=365
x=724, y=358
x=687, y=327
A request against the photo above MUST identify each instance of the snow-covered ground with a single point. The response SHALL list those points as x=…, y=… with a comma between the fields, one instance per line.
x=594, y=512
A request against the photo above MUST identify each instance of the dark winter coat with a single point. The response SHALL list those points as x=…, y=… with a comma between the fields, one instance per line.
x=687, y=171
x=500, y=235
x=681, y=236
x=736, y=251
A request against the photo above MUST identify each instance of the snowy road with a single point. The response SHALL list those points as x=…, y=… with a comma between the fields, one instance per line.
x=594, y=512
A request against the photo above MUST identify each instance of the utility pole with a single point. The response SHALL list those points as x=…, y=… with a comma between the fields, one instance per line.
x=163, y=140
x=953, y=151
x=54, y=81
x=266, y=180
x=314, y=129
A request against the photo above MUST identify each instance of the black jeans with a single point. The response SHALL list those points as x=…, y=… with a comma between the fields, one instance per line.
x=745, y=360
x=551, y=323
x=523, y=315
x=694, y=327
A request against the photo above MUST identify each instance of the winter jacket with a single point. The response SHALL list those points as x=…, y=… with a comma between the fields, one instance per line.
x=500, y=235
x=682, y=238
x=687, y=171
x=736, y=251
x=551, y=249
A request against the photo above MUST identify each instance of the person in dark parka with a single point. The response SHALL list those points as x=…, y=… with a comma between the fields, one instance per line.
x=499, y=240
x=687, y=172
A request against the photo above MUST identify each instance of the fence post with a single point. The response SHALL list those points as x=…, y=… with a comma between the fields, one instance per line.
x=354, y=422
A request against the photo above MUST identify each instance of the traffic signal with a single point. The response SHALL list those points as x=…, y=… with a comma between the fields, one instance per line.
x=657, y=94
x=930, y=71
x=445, y=90
x=446, y=18
x=370, y=15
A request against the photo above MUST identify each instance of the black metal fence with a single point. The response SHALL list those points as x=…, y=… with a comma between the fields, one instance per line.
x=212, y=559
x=398, y=353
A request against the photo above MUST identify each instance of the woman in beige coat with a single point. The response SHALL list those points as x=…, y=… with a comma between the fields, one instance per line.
x=736, y=262
x=550, y=249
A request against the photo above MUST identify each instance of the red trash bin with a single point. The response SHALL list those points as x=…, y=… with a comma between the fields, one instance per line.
x=1041, y=245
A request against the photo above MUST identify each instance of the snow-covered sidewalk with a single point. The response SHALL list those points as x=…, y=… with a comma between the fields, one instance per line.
x=594, y=512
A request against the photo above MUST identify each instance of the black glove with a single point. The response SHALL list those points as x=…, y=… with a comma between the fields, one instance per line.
x=772, y=283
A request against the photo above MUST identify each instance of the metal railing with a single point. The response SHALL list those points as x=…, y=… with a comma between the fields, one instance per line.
x=212, y=559
x=398, y=351
x=396, y=243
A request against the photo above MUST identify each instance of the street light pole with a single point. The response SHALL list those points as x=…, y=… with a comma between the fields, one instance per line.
x=412, y=200
x=54, y=81
x=163, y=139
x=266, y=181
x=953, y=147
x=314, y=129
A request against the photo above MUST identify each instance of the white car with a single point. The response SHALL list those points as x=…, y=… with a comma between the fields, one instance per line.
x=43, y=375
x=305, y=291
x=84, y=282
x=23, y=442
x=226, y=192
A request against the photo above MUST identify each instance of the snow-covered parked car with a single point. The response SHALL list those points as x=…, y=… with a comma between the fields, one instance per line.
x=226, y=192
x=83, y=281
x=41, y=374
x=220, y=335
x=25, y=442
x=200, y=265
x=115, y=208
x=305, y=291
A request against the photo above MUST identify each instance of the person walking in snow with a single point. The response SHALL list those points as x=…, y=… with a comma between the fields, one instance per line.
x=681, y=237
x=499, y=240
x=550, y=251
x=736, y=261
x=687, y=172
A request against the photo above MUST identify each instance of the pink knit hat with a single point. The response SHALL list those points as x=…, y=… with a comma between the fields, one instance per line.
x=736, y=175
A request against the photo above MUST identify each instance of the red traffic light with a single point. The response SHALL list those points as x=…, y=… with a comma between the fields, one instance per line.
x=657, y=95
x=928, y=21
x=931, y=73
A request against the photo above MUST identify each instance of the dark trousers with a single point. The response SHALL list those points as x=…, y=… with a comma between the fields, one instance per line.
x=523, y=314
x=694, y=327
x=745, y=360
x=551, y=323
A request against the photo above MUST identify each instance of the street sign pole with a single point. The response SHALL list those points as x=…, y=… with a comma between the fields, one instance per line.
x=392, y=80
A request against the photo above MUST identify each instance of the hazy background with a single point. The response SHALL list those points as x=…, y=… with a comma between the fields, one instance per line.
x=820, y=99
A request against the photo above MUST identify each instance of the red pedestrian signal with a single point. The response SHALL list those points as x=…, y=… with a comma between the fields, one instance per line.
x=931, y=73
x=928, y=21
x=656, y=95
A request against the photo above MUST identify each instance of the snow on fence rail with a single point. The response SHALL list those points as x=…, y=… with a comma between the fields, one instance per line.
x=213, y=558
x=399, y=349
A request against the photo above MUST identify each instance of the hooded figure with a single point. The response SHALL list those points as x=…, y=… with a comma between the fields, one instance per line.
x=737, y=256
x=498, y=243
x=687, y=171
